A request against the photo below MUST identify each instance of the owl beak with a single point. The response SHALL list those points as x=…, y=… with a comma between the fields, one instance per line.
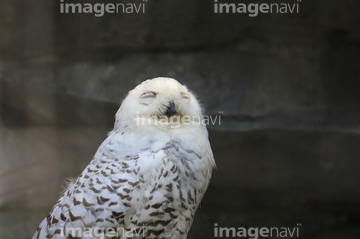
x=170, y=111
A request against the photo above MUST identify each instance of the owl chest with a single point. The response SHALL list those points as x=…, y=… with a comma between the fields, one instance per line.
x=169, y=176
x=169, y=184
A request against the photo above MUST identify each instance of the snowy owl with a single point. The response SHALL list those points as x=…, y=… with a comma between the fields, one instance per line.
x=147, y=178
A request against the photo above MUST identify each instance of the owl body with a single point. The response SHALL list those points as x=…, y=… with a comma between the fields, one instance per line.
x=145, y=181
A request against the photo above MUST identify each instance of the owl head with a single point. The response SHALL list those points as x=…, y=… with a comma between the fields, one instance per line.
x=160, y=103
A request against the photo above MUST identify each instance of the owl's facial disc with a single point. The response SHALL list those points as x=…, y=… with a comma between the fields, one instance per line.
x=160, y=102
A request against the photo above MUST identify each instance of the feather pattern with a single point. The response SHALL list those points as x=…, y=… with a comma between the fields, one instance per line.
x=143, y=182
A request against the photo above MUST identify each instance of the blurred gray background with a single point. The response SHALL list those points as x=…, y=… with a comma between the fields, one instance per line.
x=287, y=87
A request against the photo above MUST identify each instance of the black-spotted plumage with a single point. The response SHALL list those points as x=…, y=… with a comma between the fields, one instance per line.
x=145, y=181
